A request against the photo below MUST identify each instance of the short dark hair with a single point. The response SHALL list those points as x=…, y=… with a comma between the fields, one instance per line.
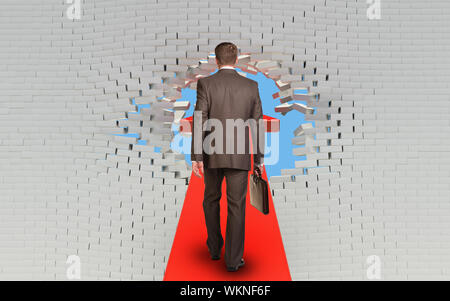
x=226, y=53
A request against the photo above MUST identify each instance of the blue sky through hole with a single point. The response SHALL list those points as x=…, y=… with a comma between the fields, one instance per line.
x=288, y=124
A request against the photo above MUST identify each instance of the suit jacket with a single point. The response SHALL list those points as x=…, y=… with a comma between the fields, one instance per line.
x=226, y=96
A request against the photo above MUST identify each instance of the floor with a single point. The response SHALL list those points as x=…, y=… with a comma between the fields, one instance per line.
x=189, y=258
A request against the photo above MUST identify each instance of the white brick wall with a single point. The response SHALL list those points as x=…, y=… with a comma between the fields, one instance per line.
x=387, y=184
x=383, y=183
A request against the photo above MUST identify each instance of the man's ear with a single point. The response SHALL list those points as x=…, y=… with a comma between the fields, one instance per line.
x=217, y=62
x=237, y=60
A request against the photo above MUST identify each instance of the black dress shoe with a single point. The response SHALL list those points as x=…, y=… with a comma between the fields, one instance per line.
x=215, y=257
x=240, y=265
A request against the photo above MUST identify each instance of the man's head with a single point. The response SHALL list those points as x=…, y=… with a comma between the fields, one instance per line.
x=226, y=54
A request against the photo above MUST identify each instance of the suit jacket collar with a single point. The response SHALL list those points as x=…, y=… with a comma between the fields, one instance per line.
x=227, y=71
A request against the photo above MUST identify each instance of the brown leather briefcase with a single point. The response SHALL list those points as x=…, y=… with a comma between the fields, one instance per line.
x=259, y=193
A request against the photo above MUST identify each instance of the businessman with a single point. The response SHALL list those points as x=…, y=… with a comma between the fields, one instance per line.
x=227, y=98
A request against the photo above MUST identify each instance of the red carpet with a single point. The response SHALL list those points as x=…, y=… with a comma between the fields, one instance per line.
x=189, y=259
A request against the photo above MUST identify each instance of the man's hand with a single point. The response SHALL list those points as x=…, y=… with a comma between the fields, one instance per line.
x=257, y=170
x=197, y=167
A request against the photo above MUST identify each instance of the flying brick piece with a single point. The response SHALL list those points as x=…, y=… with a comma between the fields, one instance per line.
x=181, y=105
x=201, y=72
x=304, y=129
x=303, y=139
x=283, y=108
x=283, y=85
x=304, y=163
x=168, y=99
x=206, y=65
x=267, y=64
x=273, y=77
x=248, y=68
x=299, y=140
x=287, y=107
x=243, y=58
x=285, y=95
x=144, y=100
x=306, y=97
x=274, y=74
x=302, y=108
x=302, y=151
x=286, y=99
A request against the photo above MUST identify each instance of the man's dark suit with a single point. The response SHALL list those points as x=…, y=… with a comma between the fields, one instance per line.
x=226, y=95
